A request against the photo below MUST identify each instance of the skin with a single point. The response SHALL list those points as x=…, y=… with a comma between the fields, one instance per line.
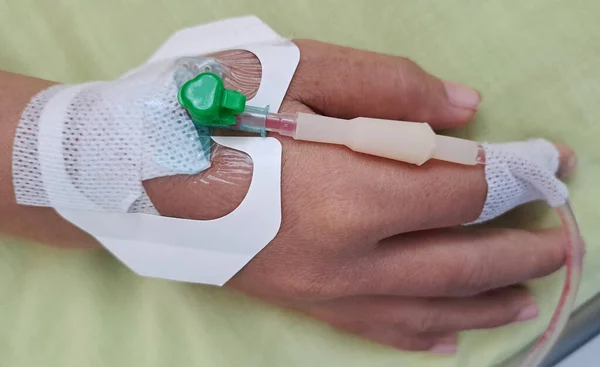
x=368, y=245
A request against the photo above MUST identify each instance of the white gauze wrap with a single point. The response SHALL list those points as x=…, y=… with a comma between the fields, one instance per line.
x=518, y=173
x=105, y=138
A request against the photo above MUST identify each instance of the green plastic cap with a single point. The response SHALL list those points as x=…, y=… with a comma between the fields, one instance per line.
x=209, y=103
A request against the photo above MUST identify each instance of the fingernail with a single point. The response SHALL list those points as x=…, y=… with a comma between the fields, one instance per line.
x=565, y=169
x=528, y=313
x=571, y=164
x=444, y=349
x=461, y=96
x=446, y=345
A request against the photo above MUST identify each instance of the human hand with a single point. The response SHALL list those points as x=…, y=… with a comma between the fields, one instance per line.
x=370, y=245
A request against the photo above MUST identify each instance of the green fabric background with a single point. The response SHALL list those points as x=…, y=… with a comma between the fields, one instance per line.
x=536, y=63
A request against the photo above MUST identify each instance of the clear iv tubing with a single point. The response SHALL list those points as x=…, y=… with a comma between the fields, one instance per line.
x=260, y=120
x=575, y=250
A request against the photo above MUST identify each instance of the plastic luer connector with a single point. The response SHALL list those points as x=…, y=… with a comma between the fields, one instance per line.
x=253, y=120
x=259, y=120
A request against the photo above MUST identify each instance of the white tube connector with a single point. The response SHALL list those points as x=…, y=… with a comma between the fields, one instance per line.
x=409, y=142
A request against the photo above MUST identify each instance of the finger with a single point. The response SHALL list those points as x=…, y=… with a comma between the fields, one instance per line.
x=437, y=344
x=388, y=334
x=344, y=82
x=456, y=262
x=567, y=160
x=423, y=316
x=446, y=345
x=435, y=195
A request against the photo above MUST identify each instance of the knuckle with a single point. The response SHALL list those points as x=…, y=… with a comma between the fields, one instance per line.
x=472, y=279
x=469, y=277
x=427, y=322
x=407, y=65
x=315, y=96
x=412, y=81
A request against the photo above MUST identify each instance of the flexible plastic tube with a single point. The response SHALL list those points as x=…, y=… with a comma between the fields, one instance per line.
x=404, y=141
x=575, y=250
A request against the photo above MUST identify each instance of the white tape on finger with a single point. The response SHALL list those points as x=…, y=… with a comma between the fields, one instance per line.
x=521, y=172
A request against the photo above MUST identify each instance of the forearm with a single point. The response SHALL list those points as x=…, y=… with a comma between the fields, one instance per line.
x=31, y=223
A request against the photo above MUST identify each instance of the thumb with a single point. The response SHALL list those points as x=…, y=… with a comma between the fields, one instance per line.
x=344, y=82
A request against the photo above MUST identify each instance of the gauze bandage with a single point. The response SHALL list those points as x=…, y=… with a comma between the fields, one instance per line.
x=521, y=172
x=108, y=137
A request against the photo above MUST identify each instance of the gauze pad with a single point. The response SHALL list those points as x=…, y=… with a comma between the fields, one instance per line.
x=111, y=137
x=518, y=173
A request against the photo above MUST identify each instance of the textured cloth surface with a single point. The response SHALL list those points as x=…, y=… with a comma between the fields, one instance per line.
x=535, y=63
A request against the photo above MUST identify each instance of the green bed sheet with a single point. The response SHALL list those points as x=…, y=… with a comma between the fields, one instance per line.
x=536, y=62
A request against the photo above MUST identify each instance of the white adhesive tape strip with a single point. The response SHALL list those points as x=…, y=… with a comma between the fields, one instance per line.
x=208, y=252
x=55, y=181
x=521, y=172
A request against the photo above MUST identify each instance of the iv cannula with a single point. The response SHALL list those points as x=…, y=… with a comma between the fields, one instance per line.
x=209, y=103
